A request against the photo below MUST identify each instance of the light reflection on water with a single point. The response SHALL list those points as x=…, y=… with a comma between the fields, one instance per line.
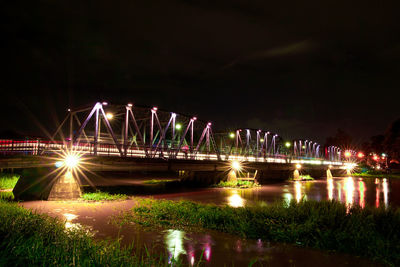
x=329, y=182
x=385, y=191
x=69, y=217
x=176, y=241
x=361, y=189
x=235, y=200
x=348, y=190
x=297, y=186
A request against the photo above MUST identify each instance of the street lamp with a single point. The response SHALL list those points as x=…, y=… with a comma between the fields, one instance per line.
x=109, y=115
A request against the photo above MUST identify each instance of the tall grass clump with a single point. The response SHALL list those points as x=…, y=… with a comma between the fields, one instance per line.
x=375, y=174
x=8, y=181
x=99, y=196
x=327, y=225
x=30, y=239
x=8, y=196
x=237, y=184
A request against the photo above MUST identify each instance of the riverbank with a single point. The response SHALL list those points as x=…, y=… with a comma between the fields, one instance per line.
x=326, y=225
x=8, y=181
x=31, y=239
x=377, y=175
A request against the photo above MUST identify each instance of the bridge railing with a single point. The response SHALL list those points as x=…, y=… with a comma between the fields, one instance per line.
x=43, y=147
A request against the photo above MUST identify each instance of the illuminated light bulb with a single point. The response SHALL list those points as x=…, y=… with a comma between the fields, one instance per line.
x=287, y=144
x=109, y=115
x=71, y=161
x=298, y=166
x=130, y=105
x=232, y=135
x=178, y=126
x=236, y=165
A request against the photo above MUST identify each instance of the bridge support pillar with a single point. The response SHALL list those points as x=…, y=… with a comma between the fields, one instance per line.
x=35, y=184
x=65, y=187
x=45, y=183
x=231, y=177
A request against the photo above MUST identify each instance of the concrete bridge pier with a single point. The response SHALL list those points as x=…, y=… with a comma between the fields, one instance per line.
x=46, y=183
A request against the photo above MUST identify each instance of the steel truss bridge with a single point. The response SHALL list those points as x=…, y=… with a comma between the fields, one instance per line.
x=148, y=132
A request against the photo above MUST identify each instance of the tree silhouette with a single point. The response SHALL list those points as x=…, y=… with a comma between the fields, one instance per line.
x=341, y=139
x=392, y=140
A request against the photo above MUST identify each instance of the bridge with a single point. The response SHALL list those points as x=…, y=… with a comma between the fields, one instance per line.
x=137, y=138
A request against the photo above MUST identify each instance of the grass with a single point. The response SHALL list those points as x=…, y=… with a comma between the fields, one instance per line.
x=6, y=196
x=328, y=225
x=376, y=175
x=238, y=184
x=306, y=177
x=30, y=239
x=158, y=181
x=100, y=196
x=8, y=181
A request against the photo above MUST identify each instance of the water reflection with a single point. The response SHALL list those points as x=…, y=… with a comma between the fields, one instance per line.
x=329, y=182
x=349, y=190
x=235, y=200
x=384, y=189
x=377, y=194
x=297, y=188
x=361, y=191
x=207, y=248
x=385, y=192
x=174, y=242
x=69, y=217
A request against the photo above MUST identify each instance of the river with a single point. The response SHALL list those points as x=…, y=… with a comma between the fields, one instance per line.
x=219, y=249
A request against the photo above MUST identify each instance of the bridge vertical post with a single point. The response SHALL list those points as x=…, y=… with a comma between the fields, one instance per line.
x=266, y=142
x=208, y=138
x=247, y=152
x=258, y=140
x=151, y=129
x=71, y=130
x=96, y=133
x=191, y=138
x=173, y=133
x=237, y=141
x=126, y=130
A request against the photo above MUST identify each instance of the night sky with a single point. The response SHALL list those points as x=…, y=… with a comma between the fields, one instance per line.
x=300, y=69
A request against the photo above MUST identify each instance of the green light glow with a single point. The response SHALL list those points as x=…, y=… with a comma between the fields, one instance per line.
x=287, y=144
x=178, y=126
x=232, y=135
